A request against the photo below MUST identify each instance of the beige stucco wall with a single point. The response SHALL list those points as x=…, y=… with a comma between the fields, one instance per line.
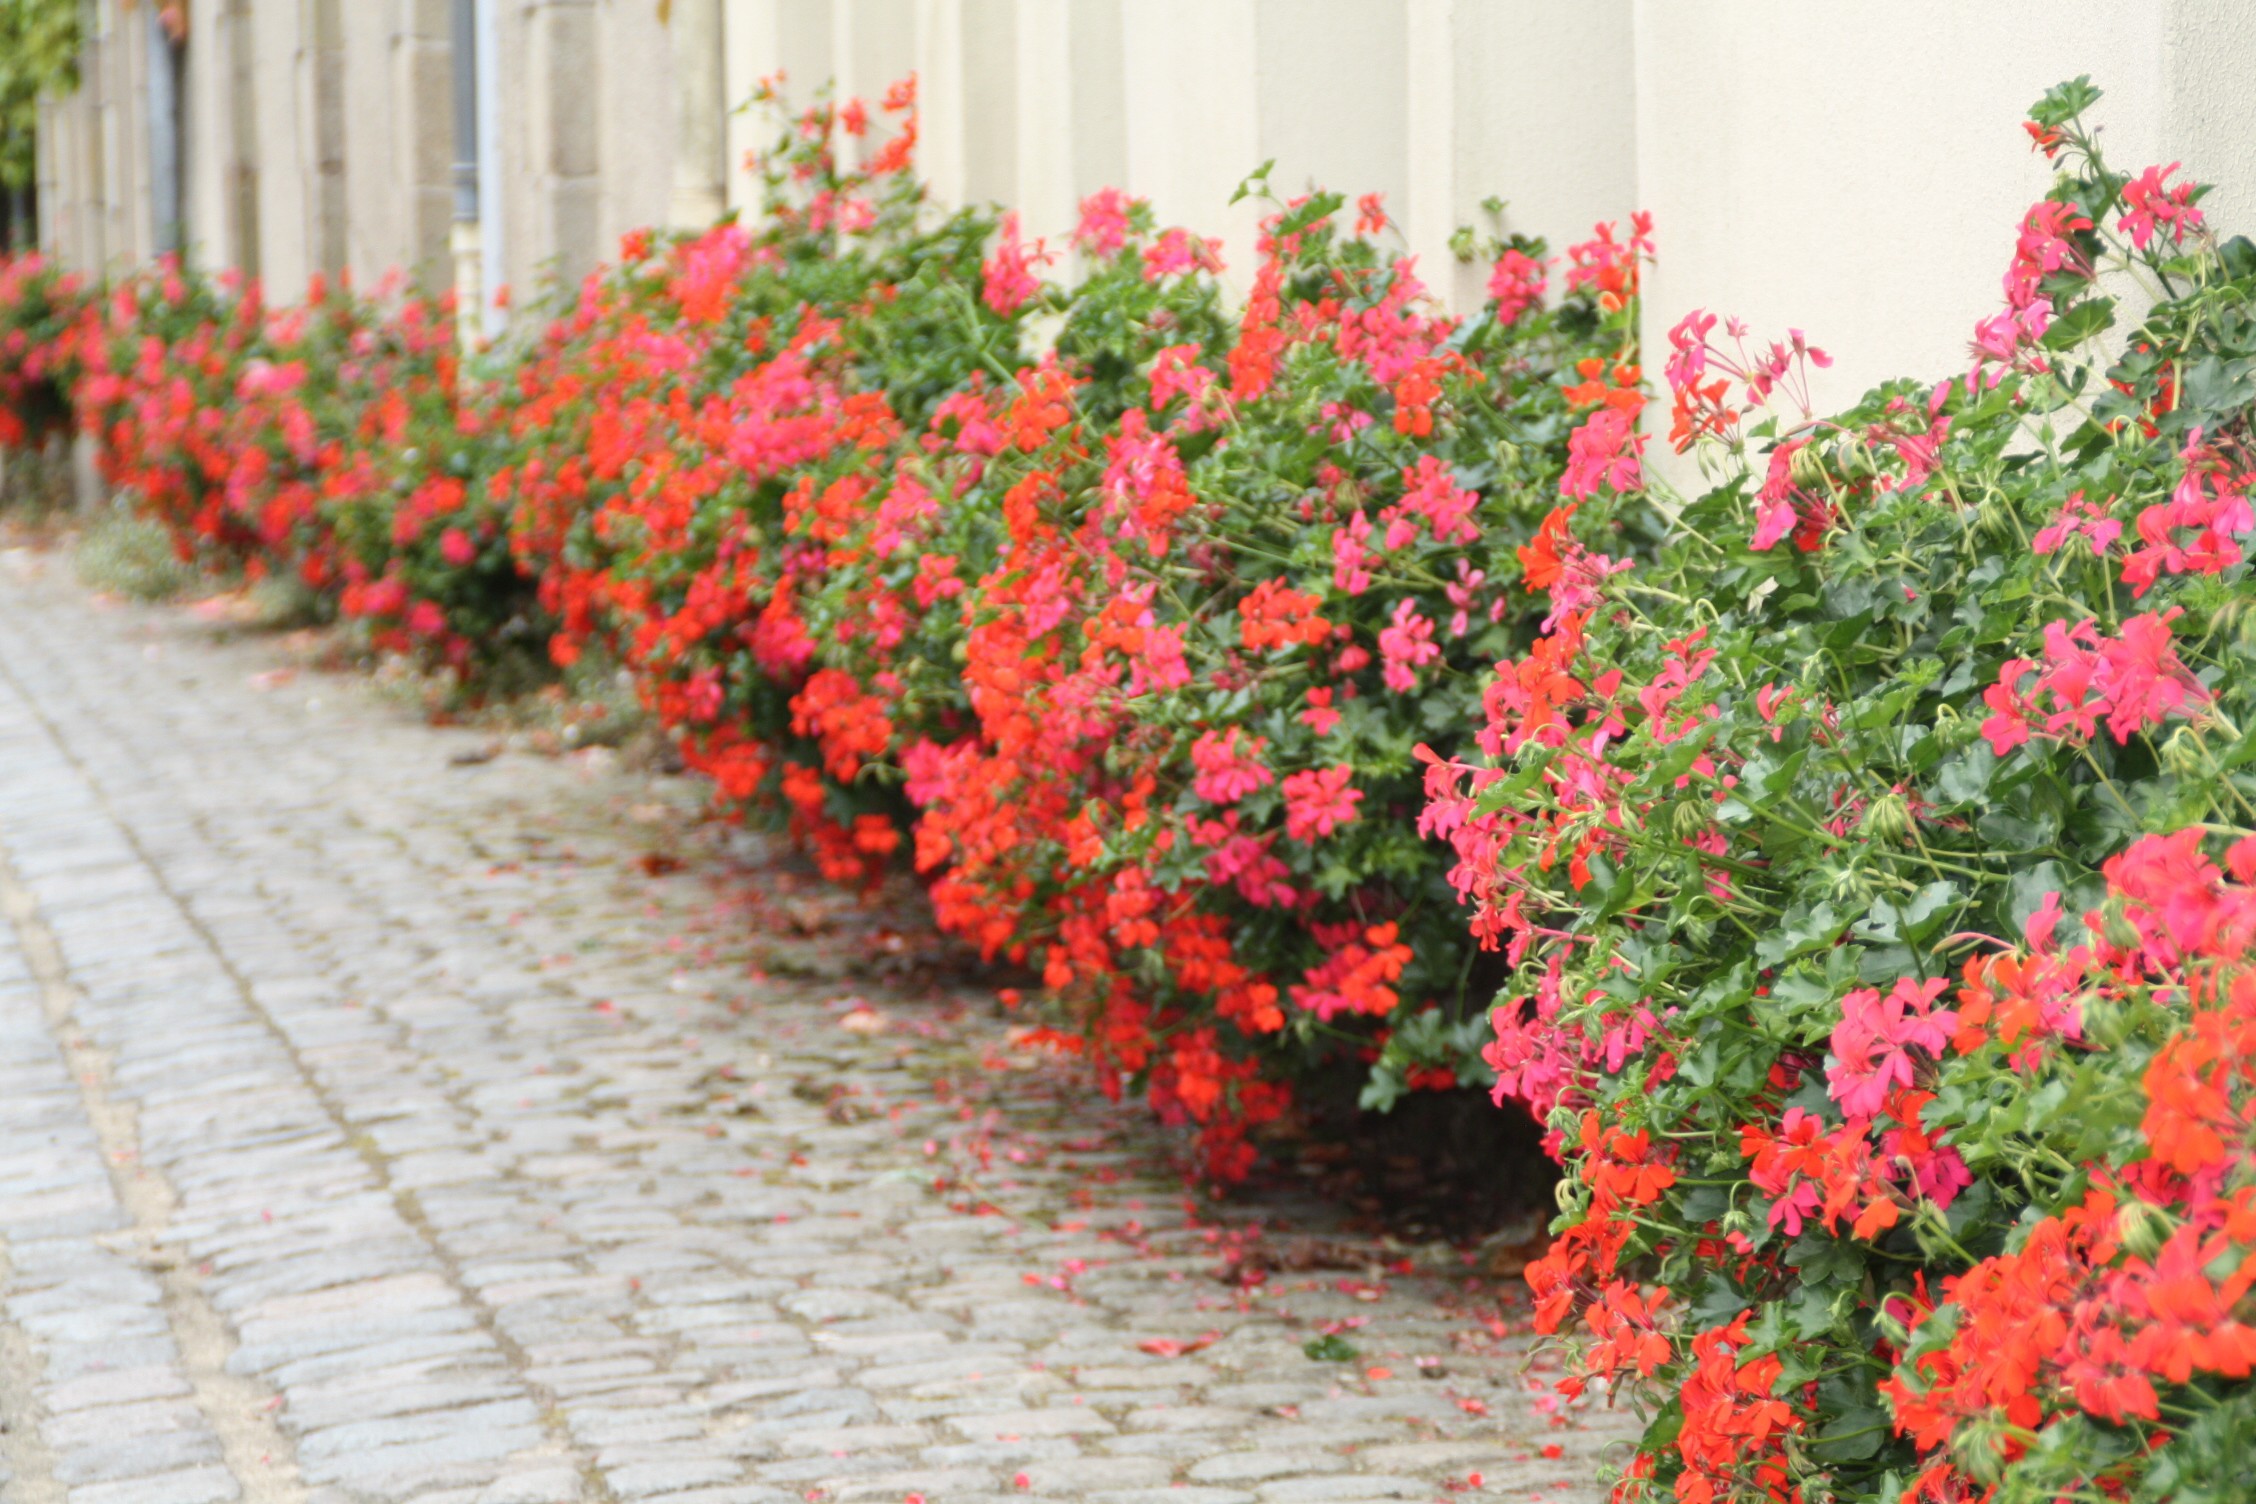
x=1529, y=104
x=1841, y=166
x=209, y=164
x=288, y=249
x=762, y=39
x=398, y=123
x=94, y=152
x=636, y=128
x=1794, y=184
x=1436, y=104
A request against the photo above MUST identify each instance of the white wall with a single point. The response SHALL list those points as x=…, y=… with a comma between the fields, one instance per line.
x=1436, y=104
x=398, y=138
x=96, y=207
x=288, y=252
x=1793, y=185
x=1853, y=168
x=636, y=126
x=1796, y=186
x=1537, y=112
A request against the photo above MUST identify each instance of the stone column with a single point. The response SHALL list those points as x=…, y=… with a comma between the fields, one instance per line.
x=701, y=114
x=563, y=92
x=1428, y=211
x=325, y=85
x=241, y=96
x=874, y=45
x=1042, y=129
x=1190, y=72
x=941, y=101
x=166, y=214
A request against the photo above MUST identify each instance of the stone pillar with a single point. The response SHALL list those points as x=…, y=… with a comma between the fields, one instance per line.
x=324, y=65
x=243, y=206
x=990, y=86
x=1795, y=185
x=1427, y=213
x=1332, y=81
x=701, y=113
x=1193, y=121
x=1043, y=135
x=874, y=45
x=941, y=100
x=1541, y=112
x=50, y=186
x=967, y=64
x=166, y=201
x=638, y=110
x=89, y=160
x=752, y=38
x=493, y=202
x=1099, y=97
x=209, y=160
x=285, y=146
x=560, y=111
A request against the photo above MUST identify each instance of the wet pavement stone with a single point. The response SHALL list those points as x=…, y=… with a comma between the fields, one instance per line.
x=383, y=1120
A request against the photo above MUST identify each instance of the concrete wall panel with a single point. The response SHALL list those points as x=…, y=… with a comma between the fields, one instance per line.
x=1098, y=92
x=284, y=141
x=636, y=127
x=1332, y=90
x=763, y=39
x=1543, y=116
x=1794, y=184
x=1193, y=126
x=1838, y=166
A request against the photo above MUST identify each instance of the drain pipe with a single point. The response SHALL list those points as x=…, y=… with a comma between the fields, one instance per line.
x=464, y=240
x=493, y=242
x=164, y=136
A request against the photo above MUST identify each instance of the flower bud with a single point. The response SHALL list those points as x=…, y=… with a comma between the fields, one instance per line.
x=2116, y=928
x=2143, y=1228
x=1688, y=820
x=1887, y=818
x=2182, y=754
x=1994, y=518
x=2239, y=613
x=1808, y=467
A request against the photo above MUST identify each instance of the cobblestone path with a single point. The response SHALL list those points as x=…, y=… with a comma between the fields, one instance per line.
x=381, y=1123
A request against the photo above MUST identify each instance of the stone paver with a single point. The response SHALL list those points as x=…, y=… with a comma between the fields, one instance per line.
x=384, y=1121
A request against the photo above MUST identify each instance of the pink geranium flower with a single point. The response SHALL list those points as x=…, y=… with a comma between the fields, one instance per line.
x=1405, y=647
x=1319, y=801
x=1872, y=1043
x=1229, y=765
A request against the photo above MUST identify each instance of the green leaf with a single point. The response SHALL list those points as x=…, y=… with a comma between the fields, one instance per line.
x=2064, y=102
x=1852, y=1435
x=2082, y=321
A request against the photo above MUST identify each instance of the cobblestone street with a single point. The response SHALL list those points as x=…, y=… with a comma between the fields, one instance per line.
x=385, y=1120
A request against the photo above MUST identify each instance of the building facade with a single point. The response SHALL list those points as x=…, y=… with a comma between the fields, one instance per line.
x=1847, y=167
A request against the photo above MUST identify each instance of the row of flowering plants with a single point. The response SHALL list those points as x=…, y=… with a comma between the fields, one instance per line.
x=1860, y=852
x=1113, y=610
x=39, y=303
x=324, y=442
x=1113, y=613
x=1874, y=865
